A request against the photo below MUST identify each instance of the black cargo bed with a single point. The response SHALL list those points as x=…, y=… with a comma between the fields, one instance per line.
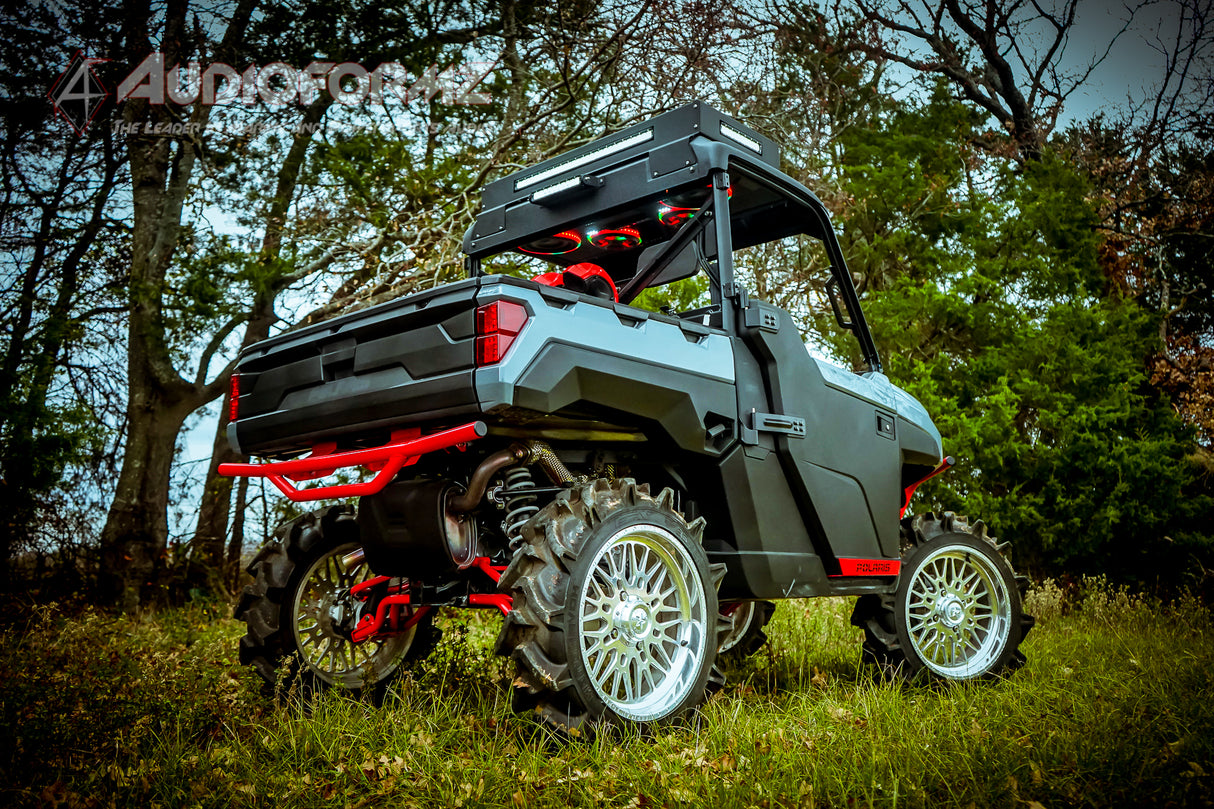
x=406, y=361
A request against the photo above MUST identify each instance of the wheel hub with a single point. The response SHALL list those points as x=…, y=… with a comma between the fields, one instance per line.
x=951, y=611
x=631, y=619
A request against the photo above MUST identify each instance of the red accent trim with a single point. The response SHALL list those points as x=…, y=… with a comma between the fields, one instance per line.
x=481, y=563
x=393, y=457
x=909, y=491
x=388, y=612
x=868, y=567
x=502, y=602
x=358, y=589
x=550, y=279
x=585, y=270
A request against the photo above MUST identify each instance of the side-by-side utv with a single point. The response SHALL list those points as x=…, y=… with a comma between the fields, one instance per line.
x=632, y=489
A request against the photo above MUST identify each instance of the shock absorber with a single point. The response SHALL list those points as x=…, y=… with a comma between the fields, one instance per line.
x=520, y=503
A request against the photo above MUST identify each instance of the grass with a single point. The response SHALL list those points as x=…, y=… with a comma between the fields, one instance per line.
x=1113, y=709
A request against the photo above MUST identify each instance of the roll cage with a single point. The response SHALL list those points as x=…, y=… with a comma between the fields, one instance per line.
x=661, y=201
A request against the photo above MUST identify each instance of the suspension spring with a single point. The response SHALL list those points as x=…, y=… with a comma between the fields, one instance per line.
x=520, y=503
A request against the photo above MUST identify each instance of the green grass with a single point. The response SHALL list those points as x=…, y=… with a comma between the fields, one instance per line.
x=1113, y=709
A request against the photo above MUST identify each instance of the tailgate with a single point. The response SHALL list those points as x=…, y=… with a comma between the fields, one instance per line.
x=409, y=360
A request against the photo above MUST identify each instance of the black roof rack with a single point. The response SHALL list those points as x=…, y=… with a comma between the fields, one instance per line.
x=648, y=159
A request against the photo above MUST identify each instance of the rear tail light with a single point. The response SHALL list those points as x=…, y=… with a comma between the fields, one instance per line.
x=497, y=326
x=234, y=398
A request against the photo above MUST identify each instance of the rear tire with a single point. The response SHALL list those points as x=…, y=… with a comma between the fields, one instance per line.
x=615, y=610
x=745, y=634
x=295, y=637
x=957, y=613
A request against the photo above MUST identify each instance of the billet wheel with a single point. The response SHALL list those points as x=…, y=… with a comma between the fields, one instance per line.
x=615, y=609
x=299, y=614
x=745, y=634
x=957, y=611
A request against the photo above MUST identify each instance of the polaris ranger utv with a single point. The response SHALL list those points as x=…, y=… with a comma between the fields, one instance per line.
x=631, y=489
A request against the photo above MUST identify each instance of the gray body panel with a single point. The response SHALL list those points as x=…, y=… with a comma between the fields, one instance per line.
x=583, y=357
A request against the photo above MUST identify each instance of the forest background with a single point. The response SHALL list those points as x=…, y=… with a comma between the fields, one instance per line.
x=1036, y=268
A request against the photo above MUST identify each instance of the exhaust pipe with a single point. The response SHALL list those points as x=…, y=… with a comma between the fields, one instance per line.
x=489, y=467
x=529, y=452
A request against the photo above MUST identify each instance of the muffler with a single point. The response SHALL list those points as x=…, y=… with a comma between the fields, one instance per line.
x=408, y=529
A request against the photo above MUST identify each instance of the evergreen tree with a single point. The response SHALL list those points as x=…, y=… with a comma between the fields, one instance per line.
x=987, y=296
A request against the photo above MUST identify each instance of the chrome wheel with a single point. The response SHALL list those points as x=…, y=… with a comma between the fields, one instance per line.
x=958, y=612
x=323, y=617
x=643, y=623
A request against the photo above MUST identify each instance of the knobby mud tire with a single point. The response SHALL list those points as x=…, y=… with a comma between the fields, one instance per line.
x=888, y=640
x=563, y=545
x=268, y=608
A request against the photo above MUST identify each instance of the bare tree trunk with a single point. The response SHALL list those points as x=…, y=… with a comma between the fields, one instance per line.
x=134, y=539
x=236, y=543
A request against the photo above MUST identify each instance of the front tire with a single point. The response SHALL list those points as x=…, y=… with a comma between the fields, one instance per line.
x=957, y=612
x=298, y=619
x=615, y=609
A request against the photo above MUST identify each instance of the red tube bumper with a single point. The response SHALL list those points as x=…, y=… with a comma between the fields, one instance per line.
x=386, y=461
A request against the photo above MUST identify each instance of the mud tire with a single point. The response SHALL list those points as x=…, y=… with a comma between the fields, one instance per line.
x=303, y=547
x=908, y=644
x=560, y=640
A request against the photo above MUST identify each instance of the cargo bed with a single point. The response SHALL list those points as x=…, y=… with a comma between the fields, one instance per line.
x=401, y=362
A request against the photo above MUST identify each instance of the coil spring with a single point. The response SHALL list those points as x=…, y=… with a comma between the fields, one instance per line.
x=520, y=503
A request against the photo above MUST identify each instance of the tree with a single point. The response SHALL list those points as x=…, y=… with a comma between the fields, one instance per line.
x=160, y=397
x=1005, y=58
x=1156, y=217
x=60, y=246
x=993, y=309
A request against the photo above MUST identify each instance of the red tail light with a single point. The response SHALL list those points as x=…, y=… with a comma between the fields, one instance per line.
x=234, y=398
x=497, y=326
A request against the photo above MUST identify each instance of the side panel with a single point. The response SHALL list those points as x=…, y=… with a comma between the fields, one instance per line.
x=847, y=468
x=581, y=358
x=774, y=554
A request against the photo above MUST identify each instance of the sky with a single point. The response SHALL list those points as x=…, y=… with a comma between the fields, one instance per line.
x=1135, y=64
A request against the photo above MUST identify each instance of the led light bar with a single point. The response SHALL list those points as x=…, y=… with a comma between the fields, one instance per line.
x=586, y=159
x=566, y=188
x=556, y=188
x=742, y=138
